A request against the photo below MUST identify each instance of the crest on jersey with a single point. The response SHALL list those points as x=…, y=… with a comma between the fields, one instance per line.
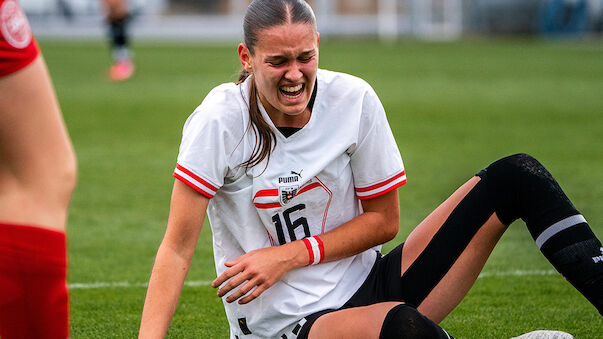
x=13, y=25
x=287, y=193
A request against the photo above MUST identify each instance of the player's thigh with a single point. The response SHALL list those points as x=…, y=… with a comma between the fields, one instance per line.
x=352, y=323
x=420, y=237
x=34, y=144
x=37, y=166
x=441, y=284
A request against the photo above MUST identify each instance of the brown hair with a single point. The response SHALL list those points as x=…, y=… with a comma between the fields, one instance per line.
x=262, y=14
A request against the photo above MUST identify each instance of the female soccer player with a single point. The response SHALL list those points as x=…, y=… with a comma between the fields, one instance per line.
x=298, y=172
x=37, y=176
x=118, y=18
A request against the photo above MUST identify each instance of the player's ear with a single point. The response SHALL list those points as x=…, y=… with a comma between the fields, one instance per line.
x=317, y=38
x=245, y=57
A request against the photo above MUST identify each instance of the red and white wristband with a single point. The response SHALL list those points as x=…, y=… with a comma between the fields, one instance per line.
x=316, y=250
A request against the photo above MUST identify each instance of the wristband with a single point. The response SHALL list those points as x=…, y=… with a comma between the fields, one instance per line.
x=316, y=250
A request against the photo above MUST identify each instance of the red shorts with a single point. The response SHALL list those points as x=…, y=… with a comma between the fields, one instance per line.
x=18, y=47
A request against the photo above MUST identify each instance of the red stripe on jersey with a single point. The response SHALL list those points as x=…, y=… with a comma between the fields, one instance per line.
x=270, y=238
x=324, y=218
x=266, y=193
x=310, y=251
x=267, y=205
x=383, y=192
x=191, y=185
x=197, y=178
x=308, y=187
x=375, y=186
x=321, y=248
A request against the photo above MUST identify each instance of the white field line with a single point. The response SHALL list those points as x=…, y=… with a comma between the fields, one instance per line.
x=125, y=284
x=517, y=273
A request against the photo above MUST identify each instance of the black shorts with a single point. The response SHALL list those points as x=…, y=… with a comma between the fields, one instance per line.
x=382, y=284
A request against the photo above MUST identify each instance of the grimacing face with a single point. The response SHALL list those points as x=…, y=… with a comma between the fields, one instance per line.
x=284, y=66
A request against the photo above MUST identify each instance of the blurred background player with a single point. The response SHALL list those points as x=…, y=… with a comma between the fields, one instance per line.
x=118, y=17
x=37, y=177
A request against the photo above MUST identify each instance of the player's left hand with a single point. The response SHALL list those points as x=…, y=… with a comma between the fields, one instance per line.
x=255, y=272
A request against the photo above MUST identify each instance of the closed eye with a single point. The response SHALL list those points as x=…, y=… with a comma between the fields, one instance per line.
x=276, y=63
x=306, y=56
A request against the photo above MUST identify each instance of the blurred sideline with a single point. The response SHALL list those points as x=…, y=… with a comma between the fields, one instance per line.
x=146, y=27
x=386, y=19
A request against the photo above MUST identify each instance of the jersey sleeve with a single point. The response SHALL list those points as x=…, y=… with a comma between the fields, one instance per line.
x=376, y=163
x=202, y=159
x=18, y=48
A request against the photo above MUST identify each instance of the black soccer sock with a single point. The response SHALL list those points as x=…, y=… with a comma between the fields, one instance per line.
x=405, y=322
x=118, y=37
x=522, y=188
x=117, y=31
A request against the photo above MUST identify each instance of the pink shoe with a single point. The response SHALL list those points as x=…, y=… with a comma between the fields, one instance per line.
x=121, y=70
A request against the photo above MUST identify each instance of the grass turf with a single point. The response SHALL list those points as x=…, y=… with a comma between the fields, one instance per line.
x=453, y=107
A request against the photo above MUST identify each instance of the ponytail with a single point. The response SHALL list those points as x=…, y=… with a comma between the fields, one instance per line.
x=265, y=139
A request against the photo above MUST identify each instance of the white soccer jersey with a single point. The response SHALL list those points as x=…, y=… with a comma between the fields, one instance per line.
x=311, y=184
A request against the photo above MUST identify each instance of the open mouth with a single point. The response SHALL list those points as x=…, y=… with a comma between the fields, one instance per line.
x=292, y=91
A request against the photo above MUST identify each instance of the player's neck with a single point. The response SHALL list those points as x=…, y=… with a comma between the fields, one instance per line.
x=286, y=120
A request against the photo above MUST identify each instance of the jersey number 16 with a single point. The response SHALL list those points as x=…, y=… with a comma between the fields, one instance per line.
x=291, y=225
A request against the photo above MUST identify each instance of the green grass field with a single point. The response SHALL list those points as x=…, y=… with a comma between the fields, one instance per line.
x=453, y=107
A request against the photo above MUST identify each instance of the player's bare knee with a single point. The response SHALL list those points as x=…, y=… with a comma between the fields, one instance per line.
x=57, y=183
x=70, y=171
x=68, y=179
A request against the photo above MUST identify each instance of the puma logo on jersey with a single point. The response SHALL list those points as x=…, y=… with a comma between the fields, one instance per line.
x=290, y=179
x=286, y=180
